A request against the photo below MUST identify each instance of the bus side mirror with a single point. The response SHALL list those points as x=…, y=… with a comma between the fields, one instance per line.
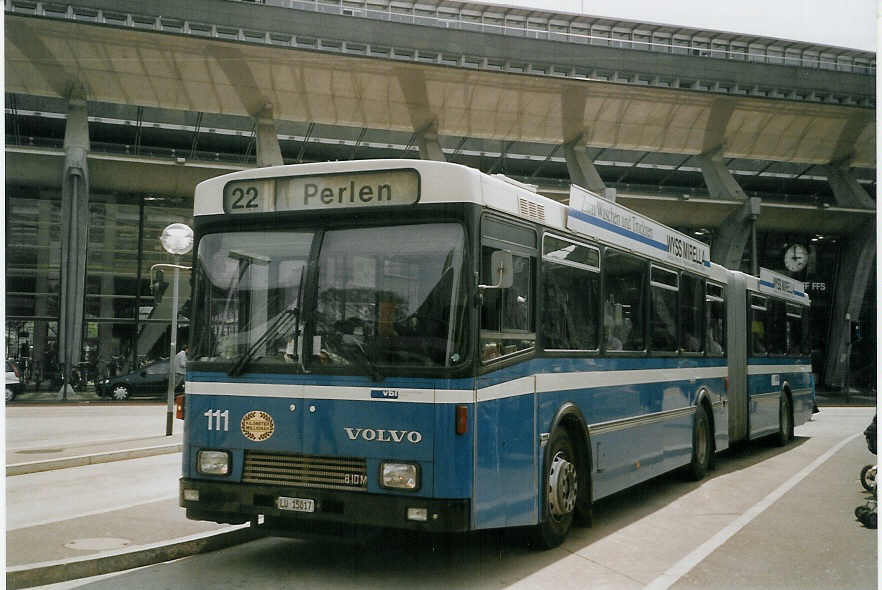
x=501, y=270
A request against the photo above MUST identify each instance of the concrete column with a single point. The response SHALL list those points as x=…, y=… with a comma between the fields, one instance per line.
x=74, y=232
x=736, y=229
x=430, y=147
x=269, y=153
x=856, y=265
x=582, y=170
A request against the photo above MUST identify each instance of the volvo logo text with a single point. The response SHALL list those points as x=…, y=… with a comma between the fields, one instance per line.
x=383, y=435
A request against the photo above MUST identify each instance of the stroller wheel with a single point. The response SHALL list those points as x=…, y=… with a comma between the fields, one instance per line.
x=868, y=477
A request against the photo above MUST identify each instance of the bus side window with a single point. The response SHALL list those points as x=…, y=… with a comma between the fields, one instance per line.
x=805, y=345
x=715, y=320
x=570, y=308
x=691, y=310
x=757, y=325
x=663, y=289
x=776, y=327
x=794, y=333
x=625, y=280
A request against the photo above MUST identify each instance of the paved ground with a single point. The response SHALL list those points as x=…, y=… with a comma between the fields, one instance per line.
x=58, y=514
x=766, y=518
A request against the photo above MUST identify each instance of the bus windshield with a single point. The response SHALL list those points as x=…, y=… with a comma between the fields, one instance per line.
x=380, y=297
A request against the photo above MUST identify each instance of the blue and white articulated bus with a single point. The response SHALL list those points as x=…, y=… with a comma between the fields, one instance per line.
x=419, y=345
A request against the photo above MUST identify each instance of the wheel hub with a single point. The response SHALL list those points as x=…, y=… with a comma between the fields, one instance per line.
x=562, y=486
x=701, y=450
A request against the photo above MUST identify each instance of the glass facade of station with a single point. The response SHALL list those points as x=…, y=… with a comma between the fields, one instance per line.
x=127, y=308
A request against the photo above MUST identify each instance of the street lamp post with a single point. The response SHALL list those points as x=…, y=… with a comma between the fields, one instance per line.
x=176, y=239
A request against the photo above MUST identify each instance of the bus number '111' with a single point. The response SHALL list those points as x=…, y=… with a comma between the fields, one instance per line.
x=217, y=415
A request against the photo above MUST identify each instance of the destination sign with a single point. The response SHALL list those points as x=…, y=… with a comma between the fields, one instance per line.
x=777, y=284
x=381, y=188
x=591, y=215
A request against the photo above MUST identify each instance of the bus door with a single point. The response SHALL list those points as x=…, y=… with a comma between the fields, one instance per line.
x=507, y=443
x=506, y=454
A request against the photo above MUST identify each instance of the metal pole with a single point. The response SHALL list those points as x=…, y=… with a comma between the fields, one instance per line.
x=846, y=360
x=754, y=263
x=172, y=368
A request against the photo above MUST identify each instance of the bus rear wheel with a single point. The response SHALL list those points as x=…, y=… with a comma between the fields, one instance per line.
x=560, y=492
x=702, y=445
x=785, y=421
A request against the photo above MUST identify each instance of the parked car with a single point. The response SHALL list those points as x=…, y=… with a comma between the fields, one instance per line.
x=151, y=380
x=13, y=383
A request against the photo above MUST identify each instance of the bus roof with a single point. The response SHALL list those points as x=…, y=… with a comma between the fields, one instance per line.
x=588, y=216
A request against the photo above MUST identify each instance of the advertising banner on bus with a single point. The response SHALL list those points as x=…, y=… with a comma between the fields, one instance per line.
x=773, y=283
x=591, y=215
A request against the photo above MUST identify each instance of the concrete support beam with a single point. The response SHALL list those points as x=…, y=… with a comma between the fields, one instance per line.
x=733, y=235
x=720, y=182
x=74, y=232
x=269, y=153
x=427, y=140
x=582, y=170
x=846, y=189
x=422, y=117
x=739, y=226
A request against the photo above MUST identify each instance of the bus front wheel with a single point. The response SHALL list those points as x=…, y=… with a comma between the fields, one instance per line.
x=560, y=492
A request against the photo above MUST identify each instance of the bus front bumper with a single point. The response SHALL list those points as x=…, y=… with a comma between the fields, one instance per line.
x=237, y=503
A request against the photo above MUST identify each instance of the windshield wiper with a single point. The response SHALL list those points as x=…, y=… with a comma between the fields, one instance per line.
x=283, y=321
x=363, y=359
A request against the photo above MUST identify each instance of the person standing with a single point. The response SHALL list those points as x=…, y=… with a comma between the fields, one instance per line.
x=181, y=364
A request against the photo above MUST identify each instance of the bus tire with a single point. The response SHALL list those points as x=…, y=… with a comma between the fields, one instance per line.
x=785, y=421
x=560, y=490
x=702, y=444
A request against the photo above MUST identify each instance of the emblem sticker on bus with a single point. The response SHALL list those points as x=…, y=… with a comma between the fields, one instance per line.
x=384, y=394
x=257, y=425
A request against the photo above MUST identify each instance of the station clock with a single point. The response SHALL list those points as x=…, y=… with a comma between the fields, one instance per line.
x=795, y=257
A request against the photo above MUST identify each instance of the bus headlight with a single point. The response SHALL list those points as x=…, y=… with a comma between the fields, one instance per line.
x=400, y=476
x=213, y=462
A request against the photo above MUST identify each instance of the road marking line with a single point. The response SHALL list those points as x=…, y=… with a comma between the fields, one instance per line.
x=93, y=513
x=685, y=565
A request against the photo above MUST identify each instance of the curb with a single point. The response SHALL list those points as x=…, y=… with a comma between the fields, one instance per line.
x=64, y=570
x=80, y=460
